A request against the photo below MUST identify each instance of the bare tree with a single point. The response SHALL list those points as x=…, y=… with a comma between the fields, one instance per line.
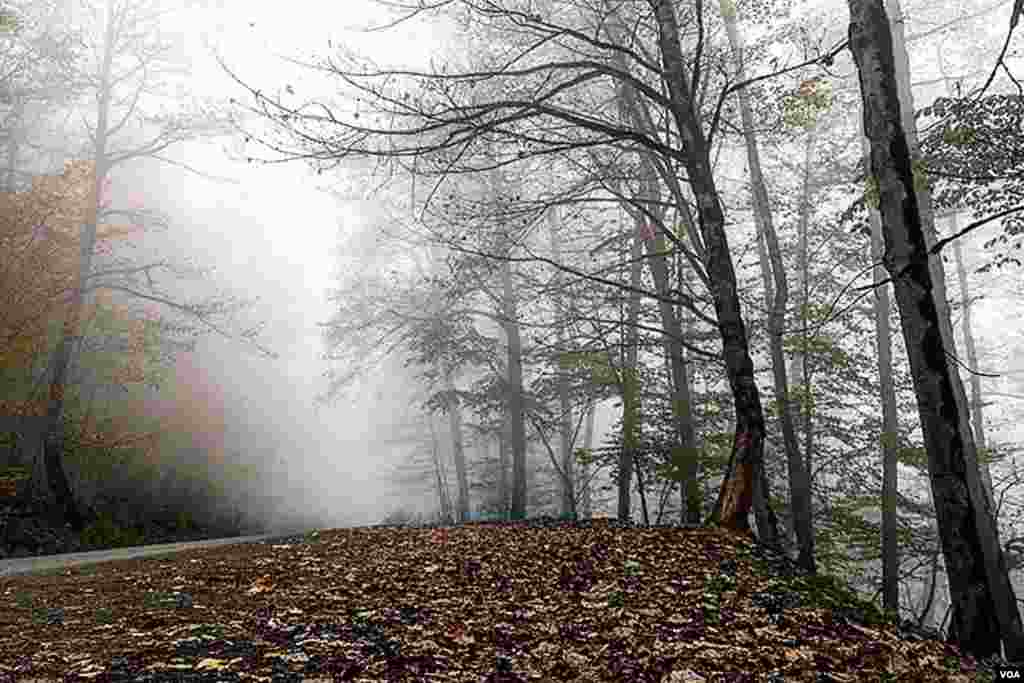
x=777, y=293
x=546, y=101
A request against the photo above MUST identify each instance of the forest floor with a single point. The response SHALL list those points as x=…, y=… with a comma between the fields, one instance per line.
x=540, y=600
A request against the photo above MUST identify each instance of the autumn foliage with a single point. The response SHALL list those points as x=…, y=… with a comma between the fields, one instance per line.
x=39, y=256
x=39, y=269
x=110, y=418
x=38, y=260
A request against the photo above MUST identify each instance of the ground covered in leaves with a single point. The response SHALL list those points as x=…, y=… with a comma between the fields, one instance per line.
x=498, y=603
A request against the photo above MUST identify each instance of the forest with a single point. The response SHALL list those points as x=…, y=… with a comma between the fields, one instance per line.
x=731, y=231
x=748, y=265
x=112, y=430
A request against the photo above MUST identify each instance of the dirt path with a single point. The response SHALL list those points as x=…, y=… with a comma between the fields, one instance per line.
x=29, y=565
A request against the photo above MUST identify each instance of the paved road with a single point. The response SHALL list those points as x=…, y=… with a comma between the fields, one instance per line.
x=29, y=565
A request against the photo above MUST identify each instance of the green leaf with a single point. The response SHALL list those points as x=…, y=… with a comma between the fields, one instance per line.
x=872, y=195
x=913, y=455
x=584, y=456
x=9, y=22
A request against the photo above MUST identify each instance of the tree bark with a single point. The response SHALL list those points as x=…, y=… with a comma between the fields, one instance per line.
x=504, y=493
x=588, y=444
x=567, y=481
x=807, y=397
x=682, y=412
x=630, y=382
x=514, y=395
x=977, y=400
x=444, y=501
x=924, y=200
x=458, y=452
x=890, y=423
x=984, y=606
x=746, y=462
x=686, y=450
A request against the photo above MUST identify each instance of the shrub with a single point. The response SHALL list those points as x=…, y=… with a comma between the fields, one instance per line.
x=105, y=533
x=185, y=521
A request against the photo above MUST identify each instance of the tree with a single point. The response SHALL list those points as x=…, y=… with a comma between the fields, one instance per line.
x=128, y=30
x=777, y=294
x=447, y=128
x=646, y=208
x=889, y=434
x=565, y=431
x=985, y=609
x=38, y=234
x=38, y=50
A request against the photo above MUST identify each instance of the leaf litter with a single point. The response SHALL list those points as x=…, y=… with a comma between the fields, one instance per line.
x=510, y=602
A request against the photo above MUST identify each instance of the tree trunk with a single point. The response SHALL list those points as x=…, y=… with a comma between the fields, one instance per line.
x=504, y=494
x=458, y=452
x=799, y=480
x=588, y=444
x=444, y=501
x=924, y=198
x=682, y=412
x=630, y=385
x=567, y=481
x=985, y=609
x=52, y=483
x=691, y=501
x=977, y=401
x=890, y=424
x=642, y=488
x=686, y=451
x=746, y=461
x=807, y=395
x=514, y=395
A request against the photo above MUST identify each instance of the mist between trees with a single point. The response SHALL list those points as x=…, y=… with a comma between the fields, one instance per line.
x=623, y=204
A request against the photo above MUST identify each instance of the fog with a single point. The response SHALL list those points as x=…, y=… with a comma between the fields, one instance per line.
x=273, y=233
x=282, y=236
x=268, y=233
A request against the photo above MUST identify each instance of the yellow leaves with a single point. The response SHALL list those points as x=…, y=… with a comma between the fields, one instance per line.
x=959, y=136
x=211, y=664
x=800, y=109
x=263, y=584
x=39, y=256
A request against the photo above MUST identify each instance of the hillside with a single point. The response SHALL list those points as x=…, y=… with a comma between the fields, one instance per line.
x=502, y=603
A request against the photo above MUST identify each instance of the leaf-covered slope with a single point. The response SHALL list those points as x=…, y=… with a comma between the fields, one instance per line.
x=491, y=602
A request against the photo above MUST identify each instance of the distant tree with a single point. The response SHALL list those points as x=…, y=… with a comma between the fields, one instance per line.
x=129, y=53
x=38, y=52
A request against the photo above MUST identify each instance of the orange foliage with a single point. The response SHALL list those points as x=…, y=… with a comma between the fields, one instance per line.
x=196, y=407
x=39, y=265
x=40, y=257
